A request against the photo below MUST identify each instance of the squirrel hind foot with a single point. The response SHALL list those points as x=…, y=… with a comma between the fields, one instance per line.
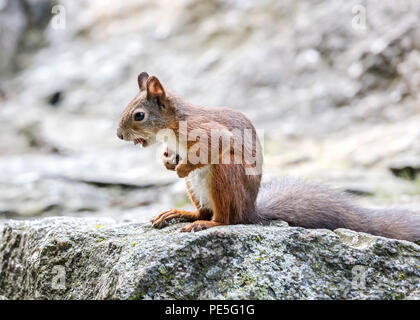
x=200, y=225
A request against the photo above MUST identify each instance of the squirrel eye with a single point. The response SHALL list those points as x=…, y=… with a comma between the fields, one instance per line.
x=139, y=116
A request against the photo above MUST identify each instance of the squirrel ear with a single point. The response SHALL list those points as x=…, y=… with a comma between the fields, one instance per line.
x=155, y=88
x=142, y=79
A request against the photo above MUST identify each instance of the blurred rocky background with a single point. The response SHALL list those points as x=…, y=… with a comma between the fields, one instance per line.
x=335, y=85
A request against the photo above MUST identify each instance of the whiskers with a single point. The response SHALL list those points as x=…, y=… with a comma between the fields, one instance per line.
x=133, y=135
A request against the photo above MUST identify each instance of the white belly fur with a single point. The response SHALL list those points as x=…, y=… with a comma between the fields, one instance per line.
x=198, y=183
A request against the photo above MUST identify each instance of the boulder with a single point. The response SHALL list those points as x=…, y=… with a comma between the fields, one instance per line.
x=86, y=258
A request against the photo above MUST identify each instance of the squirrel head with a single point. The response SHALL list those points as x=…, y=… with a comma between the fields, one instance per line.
x=151, y=110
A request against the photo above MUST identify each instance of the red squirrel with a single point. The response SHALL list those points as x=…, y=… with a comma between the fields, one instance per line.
x=225, y=187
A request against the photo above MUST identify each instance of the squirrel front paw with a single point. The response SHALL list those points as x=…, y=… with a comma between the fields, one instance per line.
x=182, y=170
x=170, y=159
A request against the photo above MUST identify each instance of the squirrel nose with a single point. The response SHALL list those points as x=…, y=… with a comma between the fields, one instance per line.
x=120, y=134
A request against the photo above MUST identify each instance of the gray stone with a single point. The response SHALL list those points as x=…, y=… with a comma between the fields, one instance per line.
x=12, y=27
x=16, y=18
x=70, y=258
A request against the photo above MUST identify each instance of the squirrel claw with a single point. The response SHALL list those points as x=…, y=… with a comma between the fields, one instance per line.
x=160, y=220
x=170, y=160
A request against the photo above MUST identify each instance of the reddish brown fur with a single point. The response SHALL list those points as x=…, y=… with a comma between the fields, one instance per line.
x=228, y=207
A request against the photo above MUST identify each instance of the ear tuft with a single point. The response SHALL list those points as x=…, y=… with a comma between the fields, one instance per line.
x=142, y=80
x=155, y=88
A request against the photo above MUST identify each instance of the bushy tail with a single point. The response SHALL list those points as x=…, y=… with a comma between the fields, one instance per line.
x=310, y=205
